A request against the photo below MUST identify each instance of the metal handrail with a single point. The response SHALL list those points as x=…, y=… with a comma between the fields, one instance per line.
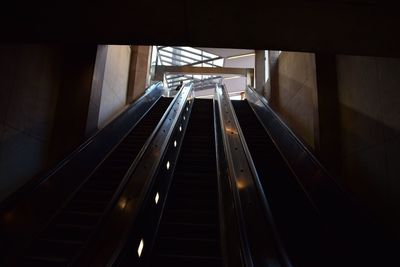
x=299, y=142
x=349, y=219
x=232, y=239
x=133, y=166
x=139, y=180
x=82, y=146
x=244, y=177
x=54, y=185
x=245, y=248
x=149, y=216
x=303, y=147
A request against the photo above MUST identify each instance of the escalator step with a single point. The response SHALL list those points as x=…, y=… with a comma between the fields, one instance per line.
x=185, y=261
x=81, y=218
x=189, y=233
x=189, y=247
x=190, y=216
x=36, y=261
x=65, y=233
x=207, y=231
x=60, y=250
x=71, y=228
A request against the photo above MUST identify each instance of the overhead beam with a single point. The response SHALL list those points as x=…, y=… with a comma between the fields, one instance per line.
x=161, y=70
x=361, y=27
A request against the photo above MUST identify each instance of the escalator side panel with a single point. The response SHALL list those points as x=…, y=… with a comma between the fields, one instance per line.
x=30, y=207
x=72, y=227
x=348, y=230
x=296, y=218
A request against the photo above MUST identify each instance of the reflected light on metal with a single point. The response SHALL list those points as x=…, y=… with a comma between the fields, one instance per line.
x=241, y=184
x=122, y=204
x=230, y=129
x=219, y=90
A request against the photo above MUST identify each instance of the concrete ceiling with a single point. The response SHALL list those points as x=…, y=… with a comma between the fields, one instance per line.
x=364, y=27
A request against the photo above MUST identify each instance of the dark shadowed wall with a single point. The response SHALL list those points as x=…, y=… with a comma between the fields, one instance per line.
x=359, y=108
x=29, y=84
x=369, y=97
x=44, y=96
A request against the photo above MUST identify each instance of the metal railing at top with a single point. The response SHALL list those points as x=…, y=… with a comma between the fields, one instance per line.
x=185, y=56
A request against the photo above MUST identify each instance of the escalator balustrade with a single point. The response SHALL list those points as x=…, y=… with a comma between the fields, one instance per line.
x=189, y=234
x=298, y=222
x=73, y=225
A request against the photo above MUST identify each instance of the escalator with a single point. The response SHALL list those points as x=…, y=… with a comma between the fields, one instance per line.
x=298, y=222
x=184, y=207
x=75, y=223
x=319, y=224
x=202, y=207
x=189, y=234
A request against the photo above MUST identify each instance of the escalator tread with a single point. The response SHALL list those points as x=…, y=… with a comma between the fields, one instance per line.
x=189, y=228
x=67, y=233
x=296, y=218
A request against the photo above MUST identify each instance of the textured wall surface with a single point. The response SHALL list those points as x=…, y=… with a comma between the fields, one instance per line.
x=95, y=94
x=73, y=99
x=115, y=83
x=369, y=98
x=140, y=63
x=293, y=93
x=29, y=81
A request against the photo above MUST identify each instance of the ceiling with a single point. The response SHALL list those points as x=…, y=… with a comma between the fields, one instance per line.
x=363, y=27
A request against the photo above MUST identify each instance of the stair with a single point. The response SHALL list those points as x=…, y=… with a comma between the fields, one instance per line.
x=189, y=232
x=67, y=233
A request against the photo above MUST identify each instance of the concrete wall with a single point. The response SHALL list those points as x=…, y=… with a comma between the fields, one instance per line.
x=115, y=83
x=73, y=99
x=44, y=97
x=139, y=71
x=366, y=132
x=369, y=96
x=293, y=93
x=95, y=94
x=29, y=81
